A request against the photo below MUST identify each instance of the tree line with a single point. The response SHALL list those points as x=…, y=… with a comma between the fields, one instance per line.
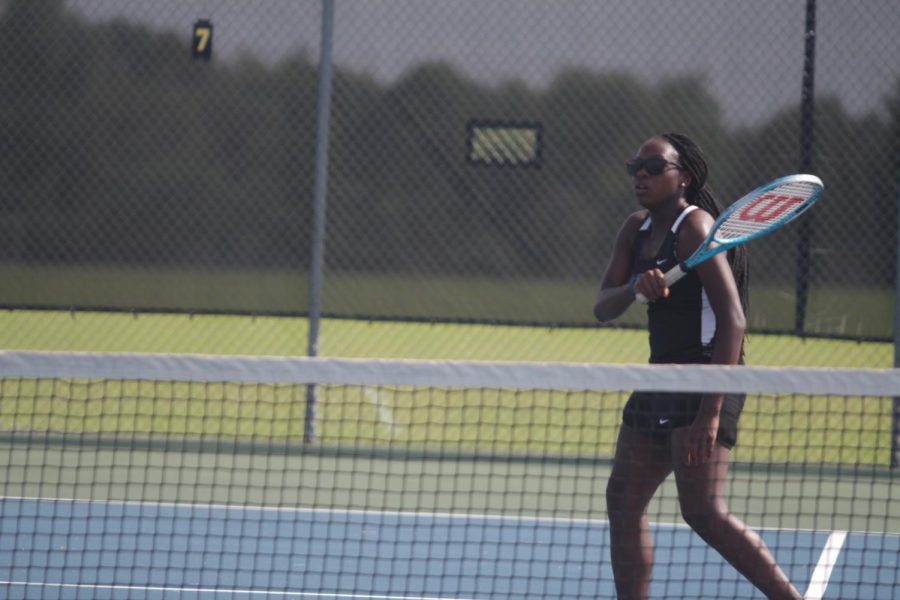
x=119, y=149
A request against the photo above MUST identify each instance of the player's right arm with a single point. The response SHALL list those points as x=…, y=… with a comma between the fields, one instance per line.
x=614, y=296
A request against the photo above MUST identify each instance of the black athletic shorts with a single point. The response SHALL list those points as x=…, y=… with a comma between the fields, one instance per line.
x=657, y=413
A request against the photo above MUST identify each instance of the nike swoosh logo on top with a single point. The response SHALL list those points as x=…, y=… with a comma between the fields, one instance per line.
x=663, y=421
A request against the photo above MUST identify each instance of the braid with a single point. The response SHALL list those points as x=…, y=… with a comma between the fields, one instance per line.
x=699, y=194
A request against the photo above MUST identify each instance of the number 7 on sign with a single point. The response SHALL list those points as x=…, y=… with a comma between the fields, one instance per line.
x=202, y=43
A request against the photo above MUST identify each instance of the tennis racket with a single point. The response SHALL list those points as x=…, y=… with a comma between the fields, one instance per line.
x=762, y=211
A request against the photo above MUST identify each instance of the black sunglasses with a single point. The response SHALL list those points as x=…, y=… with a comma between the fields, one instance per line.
x=653, y=166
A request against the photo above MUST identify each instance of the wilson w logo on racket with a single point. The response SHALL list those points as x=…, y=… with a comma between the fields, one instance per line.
x=769, y=207
x=762, y=211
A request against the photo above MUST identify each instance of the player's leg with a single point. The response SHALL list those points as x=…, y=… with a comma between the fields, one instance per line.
x=701, y=493
x=639, y=467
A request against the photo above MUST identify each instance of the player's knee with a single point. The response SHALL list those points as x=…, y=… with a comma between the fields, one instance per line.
x=699, y=521
x=703, y=516
x=615, y=495
x=622, y=501
x=618, y=498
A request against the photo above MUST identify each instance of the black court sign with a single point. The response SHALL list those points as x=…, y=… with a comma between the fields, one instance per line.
x=203, y=39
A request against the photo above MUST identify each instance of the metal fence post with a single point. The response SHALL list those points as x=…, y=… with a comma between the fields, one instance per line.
x=895, y=412
x=323, y=113
x=807, y=113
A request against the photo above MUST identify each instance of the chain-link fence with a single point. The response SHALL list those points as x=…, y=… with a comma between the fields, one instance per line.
x=136, y=177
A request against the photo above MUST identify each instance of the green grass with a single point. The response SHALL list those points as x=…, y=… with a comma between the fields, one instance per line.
x=864, y=312
x=118, y=332
x=803, y=430
x=852, y=431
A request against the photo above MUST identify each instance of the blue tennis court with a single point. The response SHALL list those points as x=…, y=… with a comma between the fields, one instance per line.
x=100, y=549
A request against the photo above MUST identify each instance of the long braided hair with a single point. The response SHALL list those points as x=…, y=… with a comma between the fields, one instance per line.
x=699, y=194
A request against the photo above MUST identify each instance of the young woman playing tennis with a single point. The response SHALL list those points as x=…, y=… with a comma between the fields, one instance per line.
x=700, y=319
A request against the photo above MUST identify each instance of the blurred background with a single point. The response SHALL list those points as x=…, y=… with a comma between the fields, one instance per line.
x=159, y=196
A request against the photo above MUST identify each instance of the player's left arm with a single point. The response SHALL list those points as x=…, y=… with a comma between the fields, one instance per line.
x=718, y=280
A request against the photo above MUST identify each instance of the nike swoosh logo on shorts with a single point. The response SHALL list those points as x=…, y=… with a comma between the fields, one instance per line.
x=663, y=421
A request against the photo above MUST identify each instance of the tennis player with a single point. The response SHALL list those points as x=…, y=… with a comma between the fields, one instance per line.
x=700, y=319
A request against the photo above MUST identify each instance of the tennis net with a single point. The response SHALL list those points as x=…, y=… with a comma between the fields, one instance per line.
x=196, y=476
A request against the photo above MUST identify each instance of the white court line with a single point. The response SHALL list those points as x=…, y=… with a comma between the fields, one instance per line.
x=230, y=592
x=819, y=581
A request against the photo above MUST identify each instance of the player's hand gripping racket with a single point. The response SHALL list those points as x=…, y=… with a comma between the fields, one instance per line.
x=762, y=211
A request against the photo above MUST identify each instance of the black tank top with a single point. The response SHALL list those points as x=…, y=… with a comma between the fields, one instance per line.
x=682, y=326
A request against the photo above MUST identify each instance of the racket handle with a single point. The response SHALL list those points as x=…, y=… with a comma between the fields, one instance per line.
x=671, y=276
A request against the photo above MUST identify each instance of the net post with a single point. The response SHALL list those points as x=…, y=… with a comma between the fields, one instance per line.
x=807, y=111
x=323, y=113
